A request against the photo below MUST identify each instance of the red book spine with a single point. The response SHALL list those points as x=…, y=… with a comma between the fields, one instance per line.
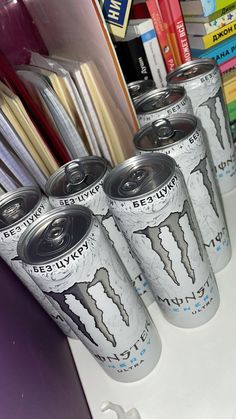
x=139, y=11
x=180, y=30
x=155, y=14
x=170, y=29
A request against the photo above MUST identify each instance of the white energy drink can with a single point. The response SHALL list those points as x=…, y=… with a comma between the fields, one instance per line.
x=202, y=81
x=18, y=210
x=148, y=196
x=80, y=182
x=71, y=259
x=162, y=103
x=138, y=88
x=180, y=137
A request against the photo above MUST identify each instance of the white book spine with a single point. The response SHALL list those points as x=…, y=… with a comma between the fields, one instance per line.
x=153, y=52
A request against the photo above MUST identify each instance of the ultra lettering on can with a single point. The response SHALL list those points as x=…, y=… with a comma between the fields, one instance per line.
x=70, y=257
x=202, y=81
x=18, y=210
x=138, y=88
x=80, y=182
x=161, y=103
x=148, y=196
x=180, y=137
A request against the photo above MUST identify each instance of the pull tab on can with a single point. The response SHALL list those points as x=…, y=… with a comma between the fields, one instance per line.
x=56, y=237
x=12, y=212
x=190, y=71
x=74, y=177
x=161, y=101
x=134, y=89
x=133, y=183
x=163, y=130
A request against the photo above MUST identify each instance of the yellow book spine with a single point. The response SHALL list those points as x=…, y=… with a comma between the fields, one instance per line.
x=230, y=92
x=219, y=35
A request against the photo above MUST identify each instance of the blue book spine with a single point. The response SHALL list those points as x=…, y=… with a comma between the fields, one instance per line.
x=220, y=53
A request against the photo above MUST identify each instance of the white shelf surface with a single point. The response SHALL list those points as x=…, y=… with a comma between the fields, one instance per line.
x=196, y=375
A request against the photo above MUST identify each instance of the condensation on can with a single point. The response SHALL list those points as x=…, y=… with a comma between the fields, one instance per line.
x=18, y=210
x=81, y=182
x=180, y=137
x=162, y=103
x=70, y=258
x=148, y=196
x=202, y=81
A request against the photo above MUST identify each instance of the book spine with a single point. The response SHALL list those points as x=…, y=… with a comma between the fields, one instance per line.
x=154, y=56
x=133, y=60
x=221, y=54
x=220, y=35
x=220, y=22
x=180, y=30
x=116, y=15
x=208, y=7
x=213, y=16
x=161, y=34
x=170, y=30
x=228, y=66
x=230, y=92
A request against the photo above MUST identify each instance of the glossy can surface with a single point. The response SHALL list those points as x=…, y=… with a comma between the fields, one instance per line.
x=18, y=210
x=162, y=103
x=139, y=88
x=181, y=138
x=202, y=81
x=80, y=182
x=148, y=196
x=69, y=256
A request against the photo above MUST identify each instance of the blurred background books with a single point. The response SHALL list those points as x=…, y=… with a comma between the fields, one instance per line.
x=211, y=29
x=61, y=97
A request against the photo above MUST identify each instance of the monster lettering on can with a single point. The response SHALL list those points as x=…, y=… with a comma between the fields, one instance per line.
x=18, y=210
x=162, y=103
x=202, y=81
x=71, y=259
x=139, y=88
x=148, y=197
x=180, y=137
x=80, y=182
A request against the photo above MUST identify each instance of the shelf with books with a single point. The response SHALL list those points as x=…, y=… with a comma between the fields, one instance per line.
x=212, y=35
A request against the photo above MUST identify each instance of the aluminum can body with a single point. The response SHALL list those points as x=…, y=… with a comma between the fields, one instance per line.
x=88, y=191
x=162, y=103
x=181, y=138
x=149, y=199
x=18, y=210
x=139, y=88
x=202, y=81
x=71, y=259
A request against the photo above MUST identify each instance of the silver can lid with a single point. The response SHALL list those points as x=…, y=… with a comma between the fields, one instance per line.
x=54, y=234
x=159, y=99
x=140, y=87
x=76, y=176
x=139, y=176
x=191, y=70
x=162, y=133
x=17, y=205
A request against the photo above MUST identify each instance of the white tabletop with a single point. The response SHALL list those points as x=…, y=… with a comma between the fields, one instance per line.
x=196, y=375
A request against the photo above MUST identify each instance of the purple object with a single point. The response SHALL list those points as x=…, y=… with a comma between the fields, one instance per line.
x=18, y=33
x=38, y=376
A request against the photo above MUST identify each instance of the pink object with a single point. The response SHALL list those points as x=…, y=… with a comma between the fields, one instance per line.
x=228, y=65
x=161, y=34
x=18, y=33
